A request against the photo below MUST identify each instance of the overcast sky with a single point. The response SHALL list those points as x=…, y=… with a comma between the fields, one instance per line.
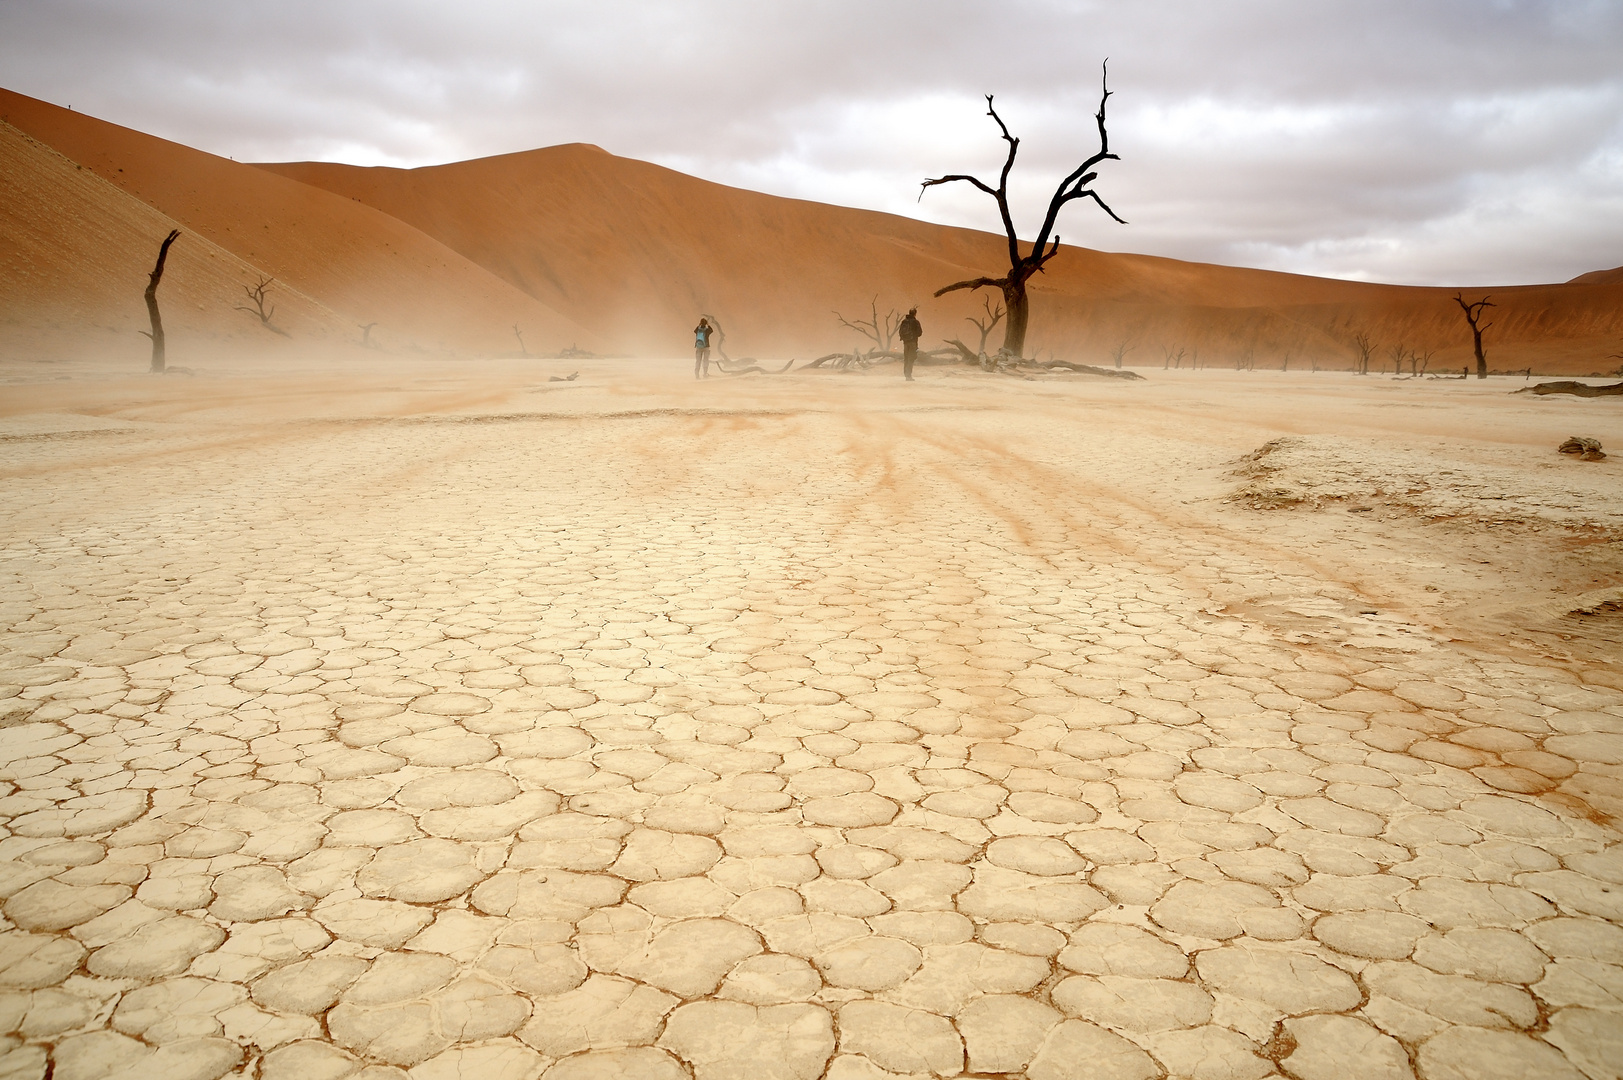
x=1449, y=142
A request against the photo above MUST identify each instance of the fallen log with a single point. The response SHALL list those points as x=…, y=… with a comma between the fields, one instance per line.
x=1567, y=386
x=1089, y=369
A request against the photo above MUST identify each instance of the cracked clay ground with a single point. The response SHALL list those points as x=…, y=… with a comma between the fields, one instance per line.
x=475, y=727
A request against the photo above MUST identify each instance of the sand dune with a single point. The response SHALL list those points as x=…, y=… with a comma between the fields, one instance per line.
x=634, y=250
x=364, y=265
x=76, y=251
x=582, y=247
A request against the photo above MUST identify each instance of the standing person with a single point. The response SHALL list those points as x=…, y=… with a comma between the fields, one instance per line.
x=701, y=350
x=910, y=331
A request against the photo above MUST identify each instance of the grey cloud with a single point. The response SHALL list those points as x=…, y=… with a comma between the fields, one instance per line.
x=1442, y=142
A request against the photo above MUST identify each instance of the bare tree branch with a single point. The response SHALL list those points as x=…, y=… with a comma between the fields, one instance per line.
x=973, y=283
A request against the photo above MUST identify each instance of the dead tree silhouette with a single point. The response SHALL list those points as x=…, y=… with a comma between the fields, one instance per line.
x=256, y=293
x=152, y=304
x=366, y=335
x=1120, y=351
x=1473, y=315
x=520, y=335
x=881, y=330
x=1365, y=346
x=1046, y=245
x=994, y=315
x=986, y=325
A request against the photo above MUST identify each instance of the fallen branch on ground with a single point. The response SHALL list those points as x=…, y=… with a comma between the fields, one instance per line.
x=1570, y=387
x=747, y=366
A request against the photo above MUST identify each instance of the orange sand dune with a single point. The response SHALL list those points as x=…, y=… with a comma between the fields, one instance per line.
x=75, y=252
x=635, y=251
x=362, y=264
x=582, y=247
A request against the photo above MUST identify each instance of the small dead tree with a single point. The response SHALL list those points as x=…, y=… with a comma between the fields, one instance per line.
x=1173, y=359
x=256, y=295
x=1419, y=362
x=879, y=329
x=152, y=304
x=1046, y=245
x=522, y=351
x=366, y=335
x=1473, y=315
x=994, y=313
x=1398, y=354
x=1120, y=351
x=1285, y=365
x=1365, y=347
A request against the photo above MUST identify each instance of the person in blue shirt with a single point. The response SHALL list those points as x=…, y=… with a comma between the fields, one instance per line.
x=701, y=349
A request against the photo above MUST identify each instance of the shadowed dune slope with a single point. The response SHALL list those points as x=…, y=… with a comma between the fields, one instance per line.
x=362, y=264
x=637, y=250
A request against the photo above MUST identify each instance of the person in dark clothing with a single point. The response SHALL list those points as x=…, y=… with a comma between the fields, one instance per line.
x=701, y=349
x=910, y=331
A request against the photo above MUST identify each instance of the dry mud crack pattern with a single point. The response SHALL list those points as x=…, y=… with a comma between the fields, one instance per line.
x=802, y=747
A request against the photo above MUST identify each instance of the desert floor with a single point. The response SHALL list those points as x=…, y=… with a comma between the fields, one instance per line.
x=386, y=718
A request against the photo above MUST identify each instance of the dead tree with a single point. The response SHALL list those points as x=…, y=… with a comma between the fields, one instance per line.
x=256, y=294
x=1473, y=315
x=994, y=313
x=881, y=330
x=152, y=304
x=1120, y=351
x=1046, y=245
x=522, y=351
x=1419, y=362
x=366, y=335
x=1285, y=365
x=1398, y=353
x=1365, y=346
x=1173, y=359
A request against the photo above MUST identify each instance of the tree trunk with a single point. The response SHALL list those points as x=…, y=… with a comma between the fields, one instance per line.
x=1018, y=306
x=1481, y=359
x=152, y=304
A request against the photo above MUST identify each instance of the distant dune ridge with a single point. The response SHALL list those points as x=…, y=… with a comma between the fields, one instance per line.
x=579, y=247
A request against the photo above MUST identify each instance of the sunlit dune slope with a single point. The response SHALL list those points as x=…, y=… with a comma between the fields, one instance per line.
x=636, y=251
x=639, y=251
x=75, y=252
x=1600, y=277
x=362, y=264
